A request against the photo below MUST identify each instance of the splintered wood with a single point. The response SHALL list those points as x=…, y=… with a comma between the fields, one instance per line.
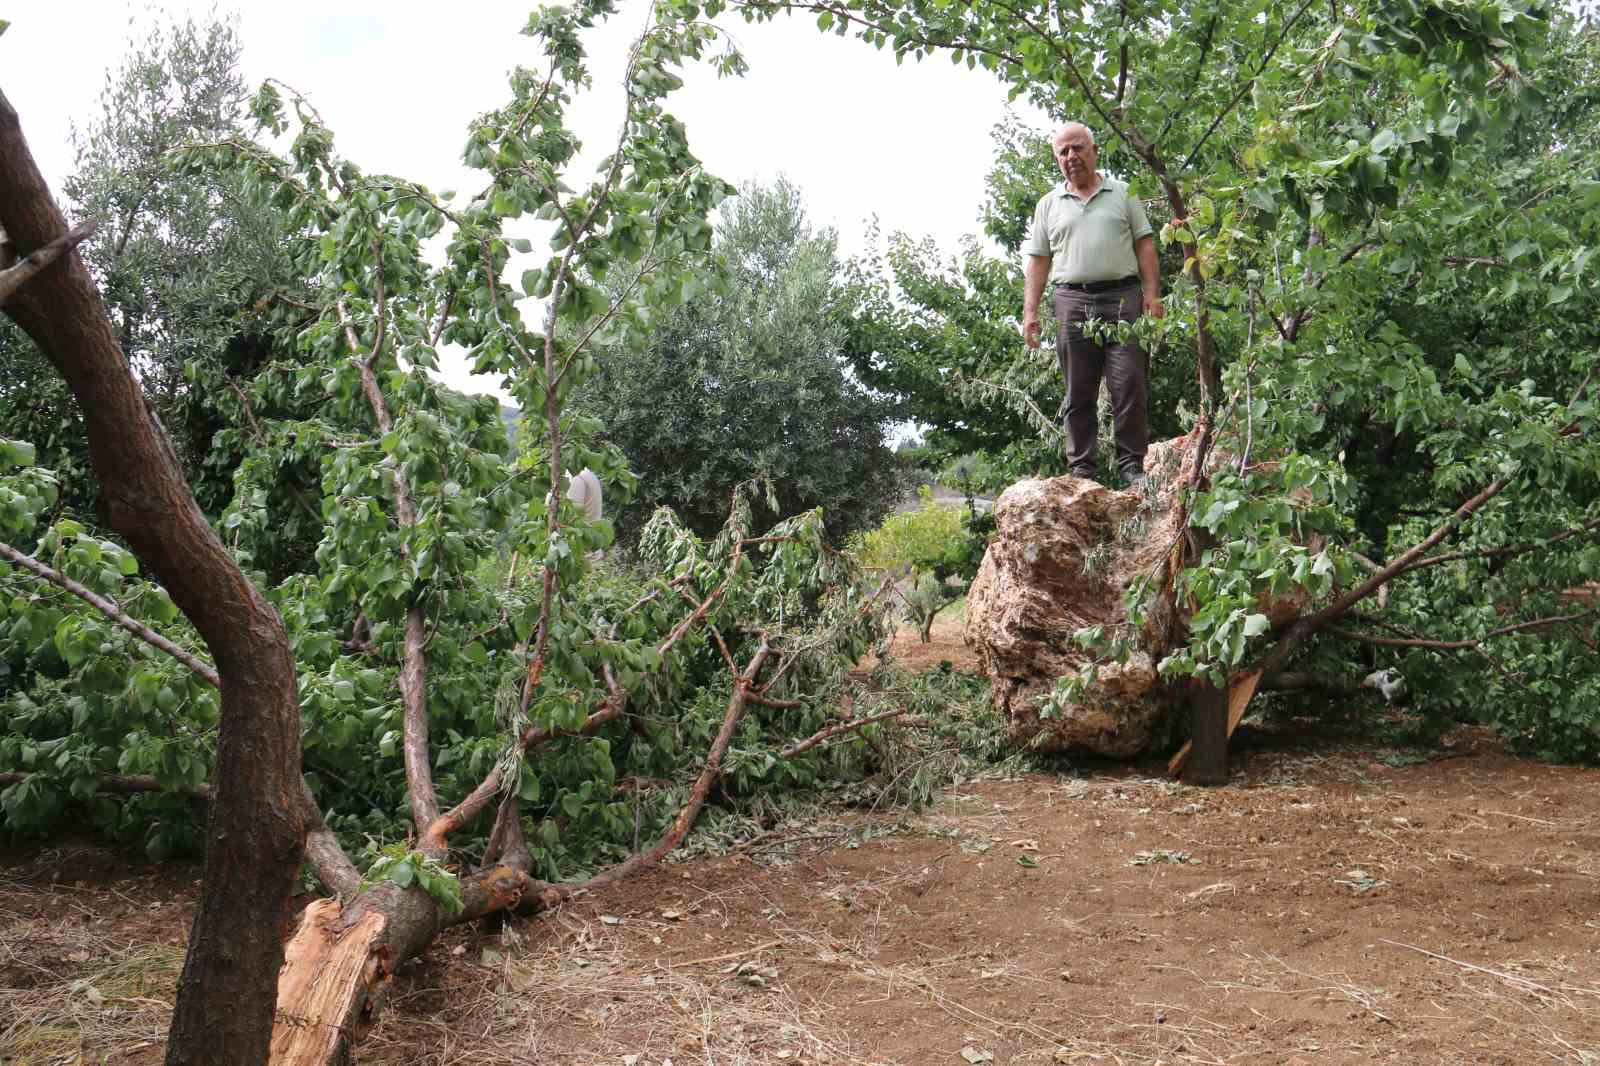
x=1239, y=694
x=324, y=972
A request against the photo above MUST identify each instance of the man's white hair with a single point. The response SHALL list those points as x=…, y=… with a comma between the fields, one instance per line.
x=1083, y=125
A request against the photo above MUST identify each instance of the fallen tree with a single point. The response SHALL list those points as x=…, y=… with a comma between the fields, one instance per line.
x=519, y=698
x=1374, y=303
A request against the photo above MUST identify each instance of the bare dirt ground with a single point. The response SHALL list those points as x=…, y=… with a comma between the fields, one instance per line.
x=1336, y=903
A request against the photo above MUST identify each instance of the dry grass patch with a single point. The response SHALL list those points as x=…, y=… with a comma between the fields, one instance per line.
x=592, y=994
x=70, y=996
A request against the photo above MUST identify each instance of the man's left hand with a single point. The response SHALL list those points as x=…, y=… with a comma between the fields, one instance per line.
x=1152, y=306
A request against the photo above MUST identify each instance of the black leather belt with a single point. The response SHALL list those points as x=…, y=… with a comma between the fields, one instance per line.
x=1099, y=286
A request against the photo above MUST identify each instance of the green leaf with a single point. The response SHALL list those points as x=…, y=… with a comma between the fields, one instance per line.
x=402, y=873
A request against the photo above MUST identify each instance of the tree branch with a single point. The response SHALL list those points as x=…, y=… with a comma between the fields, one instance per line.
x=1508, y=551
x=1459, y=645
x=1246, y=86
x=822, y=736
x=203, y=670
x=413, y=663
x=697, y=794
x=1306, y=625
x=15, y=275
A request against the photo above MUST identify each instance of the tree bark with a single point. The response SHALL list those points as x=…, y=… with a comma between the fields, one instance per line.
x=1208, y=728
x=256, y=828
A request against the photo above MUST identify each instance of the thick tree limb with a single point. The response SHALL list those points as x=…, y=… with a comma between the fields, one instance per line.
x=1306, y=625
x=15, y=275
x=697, y=794
x=413, y=663
x=552, y=399
x=534, y=736
x=435, y=837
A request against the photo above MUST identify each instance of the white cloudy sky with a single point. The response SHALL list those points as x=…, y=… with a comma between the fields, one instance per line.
x=398, y=82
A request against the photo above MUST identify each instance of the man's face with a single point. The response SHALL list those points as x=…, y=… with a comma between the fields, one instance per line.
x=1076, y=154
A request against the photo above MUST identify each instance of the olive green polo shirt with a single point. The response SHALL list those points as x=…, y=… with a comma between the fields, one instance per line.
x=1089, y=240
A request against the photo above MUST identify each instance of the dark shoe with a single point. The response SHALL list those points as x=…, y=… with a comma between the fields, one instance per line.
x=1130, y=480
x=1087, y=473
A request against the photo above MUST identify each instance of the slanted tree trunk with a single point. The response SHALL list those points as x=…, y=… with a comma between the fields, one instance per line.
x=256, y=829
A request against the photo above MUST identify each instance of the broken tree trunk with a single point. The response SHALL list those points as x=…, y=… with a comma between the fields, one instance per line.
x=256, y=829
x=340, y=958
x=1212, y=716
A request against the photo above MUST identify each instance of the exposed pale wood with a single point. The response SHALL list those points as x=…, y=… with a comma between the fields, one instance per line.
x=1239, y=696
x=1240, y=693
x=325, y=968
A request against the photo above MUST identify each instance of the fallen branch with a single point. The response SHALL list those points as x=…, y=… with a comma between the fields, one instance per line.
x=508, y=885
x=822, y=736
x=1307, y=625
x=463, y=813
x=110, y=609
x=552, y=894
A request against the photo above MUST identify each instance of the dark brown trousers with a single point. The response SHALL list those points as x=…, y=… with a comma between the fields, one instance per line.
x=1084, y=361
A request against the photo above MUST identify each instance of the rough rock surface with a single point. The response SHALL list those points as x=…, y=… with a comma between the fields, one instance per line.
x=1063, y=554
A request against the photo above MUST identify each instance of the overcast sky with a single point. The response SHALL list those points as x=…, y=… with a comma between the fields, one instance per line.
x=398, y=83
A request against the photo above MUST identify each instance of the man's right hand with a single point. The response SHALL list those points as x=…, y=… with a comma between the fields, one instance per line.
x=1030, y=331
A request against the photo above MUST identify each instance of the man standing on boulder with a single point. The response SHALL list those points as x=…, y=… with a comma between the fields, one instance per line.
x=1093, y=243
